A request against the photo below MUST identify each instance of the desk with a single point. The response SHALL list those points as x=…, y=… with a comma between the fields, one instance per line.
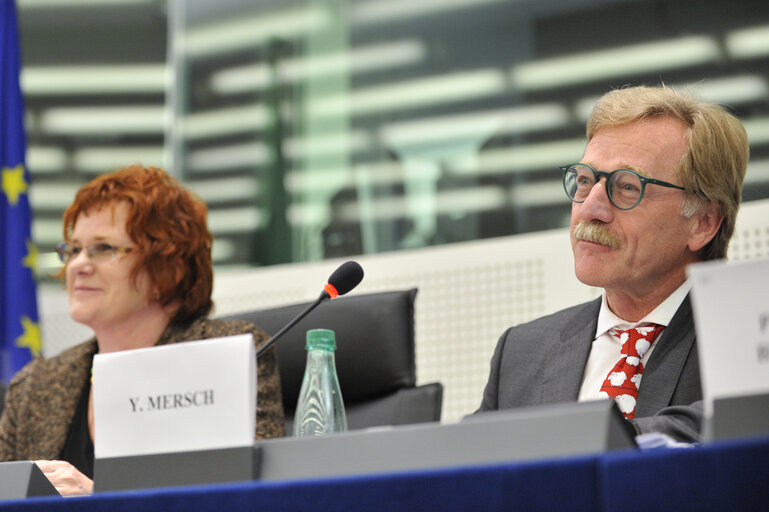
x=720, y=477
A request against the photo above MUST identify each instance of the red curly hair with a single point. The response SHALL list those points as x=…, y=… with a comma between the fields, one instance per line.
x=168, y=225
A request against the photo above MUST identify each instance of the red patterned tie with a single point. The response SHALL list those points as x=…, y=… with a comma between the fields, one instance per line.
x=624, y=379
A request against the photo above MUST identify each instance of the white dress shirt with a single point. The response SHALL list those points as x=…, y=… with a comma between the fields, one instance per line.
x=607, y=350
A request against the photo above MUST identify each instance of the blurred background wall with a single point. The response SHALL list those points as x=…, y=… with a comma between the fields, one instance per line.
x=323, y=128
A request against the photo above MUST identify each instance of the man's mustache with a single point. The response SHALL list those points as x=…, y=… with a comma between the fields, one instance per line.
x=596, y=233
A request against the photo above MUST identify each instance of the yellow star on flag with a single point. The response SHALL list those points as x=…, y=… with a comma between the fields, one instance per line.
x=30, y=260
x=30, y=338
x=14, y=184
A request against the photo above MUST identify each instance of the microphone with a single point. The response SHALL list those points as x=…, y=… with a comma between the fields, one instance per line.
x=344, y=279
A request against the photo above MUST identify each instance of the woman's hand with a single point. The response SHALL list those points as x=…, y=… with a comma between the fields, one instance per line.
x=65, y=477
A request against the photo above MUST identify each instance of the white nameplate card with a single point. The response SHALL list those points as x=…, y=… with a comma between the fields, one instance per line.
x=197, y=395
x=730, y=301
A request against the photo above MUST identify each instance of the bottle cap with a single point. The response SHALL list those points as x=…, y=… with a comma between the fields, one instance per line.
x=321, y=338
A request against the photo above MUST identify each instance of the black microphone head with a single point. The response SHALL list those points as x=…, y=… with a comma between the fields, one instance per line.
x=346, y=277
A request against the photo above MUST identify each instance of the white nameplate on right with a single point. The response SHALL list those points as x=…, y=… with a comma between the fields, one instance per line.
x=197, y=395
x=730, y=301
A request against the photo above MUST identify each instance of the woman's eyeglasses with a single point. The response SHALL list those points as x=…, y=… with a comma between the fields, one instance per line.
x=100, y=251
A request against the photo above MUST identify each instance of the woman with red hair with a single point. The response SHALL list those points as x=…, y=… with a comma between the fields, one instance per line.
x=137, y=266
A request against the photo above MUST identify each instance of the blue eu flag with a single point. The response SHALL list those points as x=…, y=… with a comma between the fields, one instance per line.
x=18, y=303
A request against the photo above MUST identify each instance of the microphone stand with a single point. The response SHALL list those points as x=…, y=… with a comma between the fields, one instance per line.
x=323, y=296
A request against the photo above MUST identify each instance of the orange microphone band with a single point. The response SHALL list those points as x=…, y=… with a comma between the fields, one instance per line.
x=331, y=290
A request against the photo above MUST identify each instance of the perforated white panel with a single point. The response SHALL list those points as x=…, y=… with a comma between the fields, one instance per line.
x=751, y=236
x=469, y=294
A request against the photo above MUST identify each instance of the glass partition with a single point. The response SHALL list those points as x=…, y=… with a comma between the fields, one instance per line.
x=327, y=128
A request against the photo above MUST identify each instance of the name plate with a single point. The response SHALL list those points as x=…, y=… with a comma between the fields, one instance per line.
x=730, y=301
x=197, y=395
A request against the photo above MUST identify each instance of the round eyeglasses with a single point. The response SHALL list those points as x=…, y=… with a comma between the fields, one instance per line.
x=624, y=187
x=96, y=252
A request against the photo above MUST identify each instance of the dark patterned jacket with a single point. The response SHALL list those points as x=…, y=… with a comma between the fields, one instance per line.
x=42, y=397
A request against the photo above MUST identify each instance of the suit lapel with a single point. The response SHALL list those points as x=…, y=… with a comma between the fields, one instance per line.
x=666, y=362
x=567, y=359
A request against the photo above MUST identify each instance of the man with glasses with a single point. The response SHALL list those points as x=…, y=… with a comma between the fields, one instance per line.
x=658, y=188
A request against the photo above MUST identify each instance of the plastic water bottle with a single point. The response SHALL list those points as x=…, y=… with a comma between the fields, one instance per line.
x=320, y=409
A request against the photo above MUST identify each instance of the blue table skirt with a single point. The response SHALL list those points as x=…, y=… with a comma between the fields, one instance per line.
x=719, y=477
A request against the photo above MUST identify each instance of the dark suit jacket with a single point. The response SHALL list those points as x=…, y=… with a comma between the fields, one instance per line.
x=542, y=362
x=42, y=397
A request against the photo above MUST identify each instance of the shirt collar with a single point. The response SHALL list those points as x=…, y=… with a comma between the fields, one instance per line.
x=662, y=314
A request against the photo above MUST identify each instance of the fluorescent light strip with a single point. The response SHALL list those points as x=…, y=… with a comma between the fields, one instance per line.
x=226, y=121
x=333, y=143
x=758, y=171
x=46, y=159
x=222, y=249
x=254, y=77
x=543, y=193
x=98, y=160
x=354, y=61
x=369, y=58
x=53, y=195
x=47, y=231
x=131, y=119
x=233, y=156
x=235, y=220
x=232, y=35
x=728, y=91
x=309, y=214
x=382, y=11
x=530, y=157
x=725, y=91
x=89, y=80
x=616, y=62
x=584, y=107
x=475, y=199
x=758, y=130
x=475, y=125
x=422, y=92
x=748, y=43
x=224, y=190
x=66, y=4
x=320, y=181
